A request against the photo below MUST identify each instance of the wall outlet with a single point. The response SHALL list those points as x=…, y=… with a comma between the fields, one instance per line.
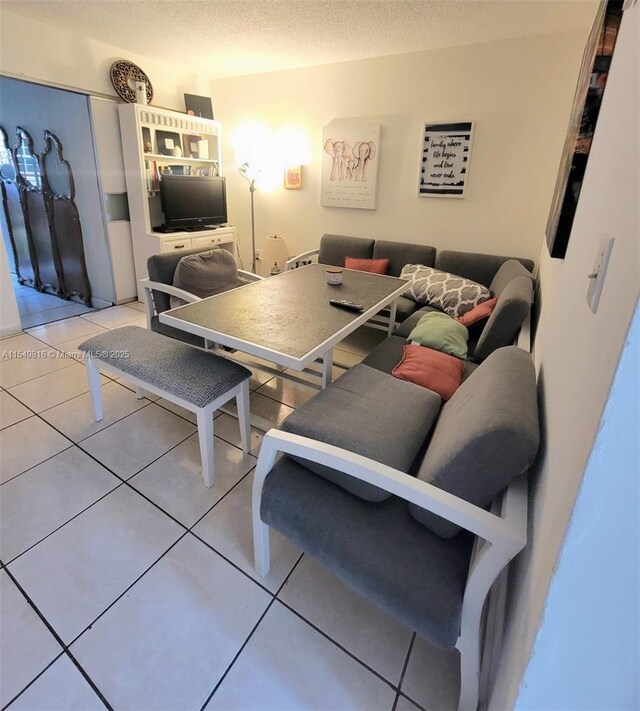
x=597, y=276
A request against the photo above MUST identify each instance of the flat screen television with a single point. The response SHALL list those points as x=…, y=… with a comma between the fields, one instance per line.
x=193, y=202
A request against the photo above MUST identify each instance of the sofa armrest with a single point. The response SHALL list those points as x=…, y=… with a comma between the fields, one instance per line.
x=293, y=262
x=507, y=530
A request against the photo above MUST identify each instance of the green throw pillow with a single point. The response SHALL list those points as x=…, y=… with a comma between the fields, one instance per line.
x=442, y=333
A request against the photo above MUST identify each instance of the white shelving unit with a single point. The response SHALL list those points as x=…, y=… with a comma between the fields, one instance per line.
x=144, y=201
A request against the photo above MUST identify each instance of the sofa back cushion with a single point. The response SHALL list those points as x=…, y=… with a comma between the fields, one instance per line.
x=371, y=413
x=510, y=312
x=162, y=267
x=401, y=253
x=487, y=434
x=479, y=267
x=334, y=249
x=509, y=270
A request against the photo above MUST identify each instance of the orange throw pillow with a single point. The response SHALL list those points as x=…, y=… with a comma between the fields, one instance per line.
x=375, y=266
x=476, y=314
x=431, y=369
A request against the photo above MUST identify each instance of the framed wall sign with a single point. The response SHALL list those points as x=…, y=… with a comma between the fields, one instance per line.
x=444, y=162
x=350, y=165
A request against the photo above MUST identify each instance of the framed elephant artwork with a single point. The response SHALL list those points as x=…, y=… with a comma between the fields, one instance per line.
x=350, y=157
x=445, y=157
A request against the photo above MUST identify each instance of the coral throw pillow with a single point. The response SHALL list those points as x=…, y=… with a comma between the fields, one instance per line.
x=481, y=311
x=375, y=266
x=431, y=369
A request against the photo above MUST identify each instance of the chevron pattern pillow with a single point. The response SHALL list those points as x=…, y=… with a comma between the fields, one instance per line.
x=452, y=294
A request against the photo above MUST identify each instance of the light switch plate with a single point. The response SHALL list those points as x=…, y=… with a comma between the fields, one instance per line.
x=597, y=277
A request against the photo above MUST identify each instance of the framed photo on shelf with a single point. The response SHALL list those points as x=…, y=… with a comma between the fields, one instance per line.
x=167, y=141
x=190, y=146
x=293, y=178
x=444, y=162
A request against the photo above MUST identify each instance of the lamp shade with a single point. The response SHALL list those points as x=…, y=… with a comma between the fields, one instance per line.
x=274, y=251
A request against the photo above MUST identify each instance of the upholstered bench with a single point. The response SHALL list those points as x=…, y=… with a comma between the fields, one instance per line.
x=190, y=377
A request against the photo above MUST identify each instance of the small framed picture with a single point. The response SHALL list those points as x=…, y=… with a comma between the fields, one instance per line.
x=167, y=142
x=293, y=178
x=190, y=146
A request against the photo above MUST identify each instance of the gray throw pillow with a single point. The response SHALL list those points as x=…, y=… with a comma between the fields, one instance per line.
x=205, y=274
x=452, y=294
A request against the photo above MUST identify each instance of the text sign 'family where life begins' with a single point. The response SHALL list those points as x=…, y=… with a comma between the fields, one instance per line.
x=444, y=166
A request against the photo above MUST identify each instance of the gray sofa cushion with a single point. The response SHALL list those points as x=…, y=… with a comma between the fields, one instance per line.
x=487, y=434
x=206, y=274
x=386, y=355
x=511, y=269
x=401, y=253
x=512, y=308
x=479, y=267
x=371, y=413
x=378, y=549
x=162, y=267
x=334, y=248
x=192, y=374
x=404, y=308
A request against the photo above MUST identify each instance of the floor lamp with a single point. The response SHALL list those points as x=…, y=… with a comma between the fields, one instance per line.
x=247, y=174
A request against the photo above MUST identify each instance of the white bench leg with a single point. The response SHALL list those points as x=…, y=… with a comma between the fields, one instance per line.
x=205, y=435
x=93, y=377
x=242, y=399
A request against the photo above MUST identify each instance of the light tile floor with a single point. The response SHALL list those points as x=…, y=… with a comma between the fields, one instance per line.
x=126, y=584
x=38, y=308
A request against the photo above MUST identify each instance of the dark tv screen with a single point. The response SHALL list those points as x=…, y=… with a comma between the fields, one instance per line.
x=193, y=201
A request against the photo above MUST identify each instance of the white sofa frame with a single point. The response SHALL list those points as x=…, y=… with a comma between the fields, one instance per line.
x=502, y=534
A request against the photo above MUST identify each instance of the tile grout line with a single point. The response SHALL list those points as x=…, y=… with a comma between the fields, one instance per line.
x=59, y=640
x=337, y=644
x=404, y=670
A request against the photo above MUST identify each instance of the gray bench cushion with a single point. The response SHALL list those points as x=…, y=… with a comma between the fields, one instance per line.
x=370, y=413
x=487, y=434
x=182, y=370
x=401, y=253
x=334, y=248
x=377, y=548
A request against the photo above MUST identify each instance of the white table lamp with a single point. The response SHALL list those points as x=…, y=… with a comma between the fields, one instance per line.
x=274, y=253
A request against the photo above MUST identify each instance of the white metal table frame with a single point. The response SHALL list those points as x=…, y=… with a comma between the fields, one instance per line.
x=323, y=352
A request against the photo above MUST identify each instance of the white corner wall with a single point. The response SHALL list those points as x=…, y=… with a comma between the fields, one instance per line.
x=519, y=93
x=9, y=315
x=33, y=50
x=577, y=353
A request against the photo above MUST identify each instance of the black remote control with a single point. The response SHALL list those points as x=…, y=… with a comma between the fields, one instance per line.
x=344, y=304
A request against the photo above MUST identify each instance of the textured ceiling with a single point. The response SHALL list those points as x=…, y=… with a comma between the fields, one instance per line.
x=234, y=37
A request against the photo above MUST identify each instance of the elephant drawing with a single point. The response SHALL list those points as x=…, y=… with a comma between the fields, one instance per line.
x=363, y=152
x=340, y=152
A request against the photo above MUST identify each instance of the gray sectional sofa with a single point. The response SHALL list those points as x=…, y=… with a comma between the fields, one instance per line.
x=402, y=497
x=508, y=278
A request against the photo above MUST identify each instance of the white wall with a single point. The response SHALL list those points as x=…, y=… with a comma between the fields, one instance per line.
x=576, y=353
x=586, y=654
x=33, y=50
x=519, y=93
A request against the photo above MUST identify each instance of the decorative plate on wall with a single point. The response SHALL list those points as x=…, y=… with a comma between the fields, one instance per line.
x=123, y=76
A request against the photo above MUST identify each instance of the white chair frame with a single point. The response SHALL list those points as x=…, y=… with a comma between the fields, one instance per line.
x=503, y=534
